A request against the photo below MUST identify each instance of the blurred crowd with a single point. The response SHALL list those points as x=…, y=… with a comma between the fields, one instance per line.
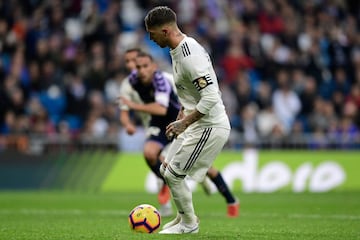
x=285, y=67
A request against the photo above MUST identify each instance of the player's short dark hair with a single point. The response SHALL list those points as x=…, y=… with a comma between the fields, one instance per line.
x=145, y=54
x=135, y=49
x=159, y=16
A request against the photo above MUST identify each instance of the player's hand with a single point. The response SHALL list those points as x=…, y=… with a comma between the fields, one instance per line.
x=118, y=100
x=175, y=128
x=130, y=129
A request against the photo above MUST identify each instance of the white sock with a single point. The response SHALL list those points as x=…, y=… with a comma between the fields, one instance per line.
x=182, y=197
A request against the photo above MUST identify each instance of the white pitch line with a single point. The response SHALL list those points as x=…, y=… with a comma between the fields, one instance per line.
x=304, y=216
x=31, y=211
x=105, y=212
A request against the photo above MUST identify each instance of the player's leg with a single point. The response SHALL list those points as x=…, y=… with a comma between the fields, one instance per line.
x=181, y=194
x=151, y=153
x=152, y=156
x=199, y=148
x=232, y=202
x=206, y=185
x=182, y=197
x=153, y=147
x=158, y=135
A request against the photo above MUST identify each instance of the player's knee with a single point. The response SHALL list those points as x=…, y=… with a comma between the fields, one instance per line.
x=151, y=157
x=162, y=169
x=151, y=153
x=212, y=172
x=171, y=177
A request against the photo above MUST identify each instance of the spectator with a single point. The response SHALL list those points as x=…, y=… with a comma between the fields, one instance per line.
x=35, y=85
x=242, y=90
x=63, y=50
x=249, y=12
x=267, y=121
x=96, y=77
x=269, y=20
x=77, y=104
x=322, y=115
x=286, y=103
x=235, y=60
x=263, y=95
x=308, y=96
x=38, y=118
x=354, y=98
x=249, y=126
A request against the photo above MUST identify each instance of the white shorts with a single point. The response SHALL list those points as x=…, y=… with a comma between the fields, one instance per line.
x=165, y=150
x=194, y=151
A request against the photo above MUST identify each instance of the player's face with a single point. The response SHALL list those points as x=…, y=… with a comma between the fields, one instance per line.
x=130, y=58
x=145, y=68
x=158, y=36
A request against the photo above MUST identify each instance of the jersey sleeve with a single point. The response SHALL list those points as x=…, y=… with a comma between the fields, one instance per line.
x=202, y=75
x=170, y=77
x=162, y=89
x=126, y=92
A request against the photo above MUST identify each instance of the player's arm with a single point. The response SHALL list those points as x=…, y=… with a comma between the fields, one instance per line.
x=153, y=108
x=190, y=118
x=198, y=67
x=179, y=126
x=161, y=101
x=180, y=114
x=207, y=101
x=182, y=122
x=194, y=116
x=126, y=122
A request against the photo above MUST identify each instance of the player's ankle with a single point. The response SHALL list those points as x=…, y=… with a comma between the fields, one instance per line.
x=190, y=220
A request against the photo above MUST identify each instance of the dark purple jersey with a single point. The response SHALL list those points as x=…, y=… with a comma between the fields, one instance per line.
x=161, y=91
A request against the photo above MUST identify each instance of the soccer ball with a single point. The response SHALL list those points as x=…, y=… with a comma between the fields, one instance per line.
x=144, y=218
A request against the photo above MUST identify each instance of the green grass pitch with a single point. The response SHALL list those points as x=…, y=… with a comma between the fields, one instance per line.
x=65, y=215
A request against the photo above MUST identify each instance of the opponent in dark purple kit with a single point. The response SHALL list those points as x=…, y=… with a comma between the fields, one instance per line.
x=159, y=99
x=149, y=90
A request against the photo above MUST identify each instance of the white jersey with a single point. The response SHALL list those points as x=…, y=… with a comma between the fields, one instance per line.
x=127, y=91
x=196, y=84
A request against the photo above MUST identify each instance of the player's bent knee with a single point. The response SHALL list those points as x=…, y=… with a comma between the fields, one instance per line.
x=151, y=158
x=171, y=176
x=151, y=152
x=162, y=169
x=212, y=172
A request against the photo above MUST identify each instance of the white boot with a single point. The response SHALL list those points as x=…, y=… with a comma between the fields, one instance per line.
x=182, y=228
x=173, y=222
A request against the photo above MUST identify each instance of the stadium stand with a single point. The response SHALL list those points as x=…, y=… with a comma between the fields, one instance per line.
x=289, y=69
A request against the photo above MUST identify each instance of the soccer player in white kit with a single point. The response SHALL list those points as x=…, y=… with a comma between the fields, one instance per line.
x=202, y=128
